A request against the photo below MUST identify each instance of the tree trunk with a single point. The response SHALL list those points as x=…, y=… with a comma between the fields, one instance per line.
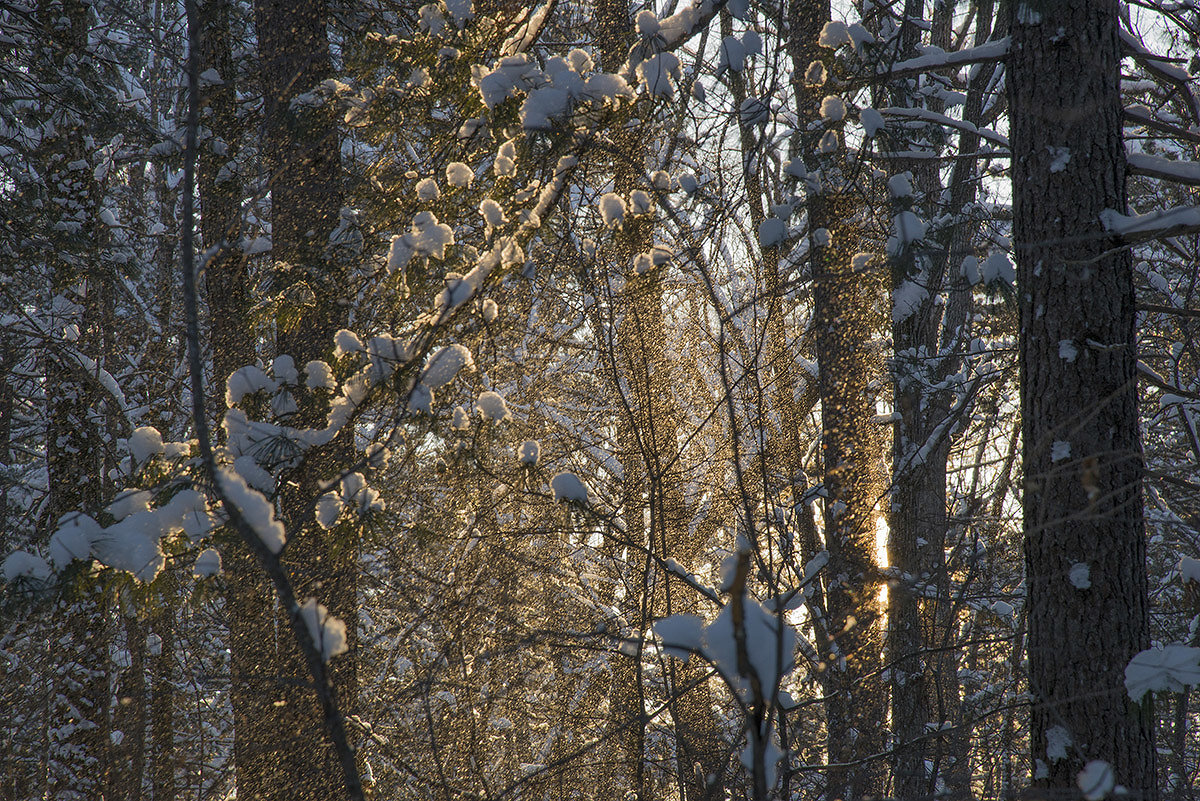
x=227, y=282
x=852, y=455
x=248, y=600
x=162, y=699
x=651, y=432
x=124, y=781
x=852, y=452
x=301, y=147
x=75, y=467
x=1085, y=551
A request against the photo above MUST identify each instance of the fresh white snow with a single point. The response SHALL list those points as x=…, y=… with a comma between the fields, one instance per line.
x=327, y=632
x=1166, y=667
x=568, y=488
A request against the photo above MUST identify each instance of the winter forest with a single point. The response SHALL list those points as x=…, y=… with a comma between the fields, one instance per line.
x=613, y=399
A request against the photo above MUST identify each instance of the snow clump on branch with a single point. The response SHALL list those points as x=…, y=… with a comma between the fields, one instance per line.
x=833, y=108
x=659, y=74
x=327, y=632
x=567, y=488
x=647, y=23
x=430, y=237
x=529, y=453
x=445, y=365
x=491, y=406
x=1168, y=667
x=459, y=175
x=834, y=35
x=254, y=508
x=612, y=210
x=144, y=444
x=207, y=564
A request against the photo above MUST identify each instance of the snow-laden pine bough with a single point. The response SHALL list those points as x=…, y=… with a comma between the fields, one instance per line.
x=239, y=489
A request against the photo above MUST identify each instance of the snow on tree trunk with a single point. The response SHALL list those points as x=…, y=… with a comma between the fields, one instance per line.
x=1075, y=286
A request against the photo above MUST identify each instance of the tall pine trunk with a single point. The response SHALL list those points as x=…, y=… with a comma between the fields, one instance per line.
x=844, y=325
x=852, y=453
x=248, y=601
x=302, y=150
x=1085, y=551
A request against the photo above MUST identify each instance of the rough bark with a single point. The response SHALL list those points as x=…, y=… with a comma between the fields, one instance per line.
x=852, y=453
x=163, y=756
x=301, y=146
x=249, y=604
x=227, y=282
x=1081, y=449
x=805, y=20
x=124, y=780
x=74, y=434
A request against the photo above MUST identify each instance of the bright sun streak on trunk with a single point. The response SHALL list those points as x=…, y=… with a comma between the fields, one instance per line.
x=881, y=559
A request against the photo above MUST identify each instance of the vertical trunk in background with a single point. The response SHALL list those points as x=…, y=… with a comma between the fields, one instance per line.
x=227, y=282
x=1085, y=551
x=950, y=752
x=628, y=716
x=78, y=740
x=73, y=460
x=302, y=151
x=249, y=606
x=301, y=146
x=164, y=354
x=124, y=781
x=916, y=509
x=922, y=629
x=649, y=441
x=8, y=364
x=852, y=453
x=161, y=652
x=805, y=18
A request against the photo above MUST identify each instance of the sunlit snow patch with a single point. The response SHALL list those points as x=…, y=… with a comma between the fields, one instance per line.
x=529, y=452
x=492, y=406
x=768, y=648
x=24, y=565
x=328, y=633
x=208, y=563
x=680, y=634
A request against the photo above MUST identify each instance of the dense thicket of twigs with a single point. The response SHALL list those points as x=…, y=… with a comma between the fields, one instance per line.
x=378, y=428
